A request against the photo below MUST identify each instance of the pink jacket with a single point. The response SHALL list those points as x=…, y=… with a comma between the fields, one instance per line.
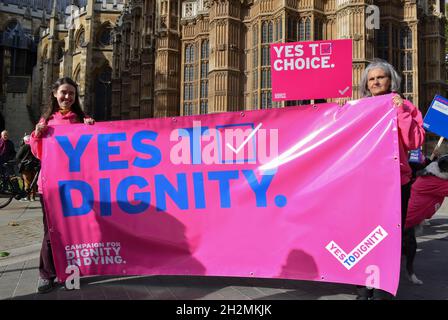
x=36, y=143
x=411, y=136
x=427, y=195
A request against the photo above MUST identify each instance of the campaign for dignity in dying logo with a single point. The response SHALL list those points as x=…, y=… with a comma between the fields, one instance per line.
x=100, y=253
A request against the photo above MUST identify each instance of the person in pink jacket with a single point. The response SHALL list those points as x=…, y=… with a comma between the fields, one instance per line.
x=64, y=108
x=427, y=195
x=380, y=78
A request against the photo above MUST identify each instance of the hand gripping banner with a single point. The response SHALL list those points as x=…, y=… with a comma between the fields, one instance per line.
x=309, y=192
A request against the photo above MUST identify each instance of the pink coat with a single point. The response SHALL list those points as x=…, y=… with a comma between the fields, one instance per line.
x=427, y=195
x=411, y=136
x=36, y=143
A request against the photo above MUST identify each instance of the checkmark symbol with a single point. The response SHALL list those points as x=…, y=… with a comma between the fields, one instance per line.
x=327, y=49
x=344, y=91
x=360, y=251
x=245, y=141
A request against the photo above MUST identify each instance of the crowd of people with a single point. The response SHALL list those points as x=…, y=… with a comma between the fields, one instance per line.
x=421, y=194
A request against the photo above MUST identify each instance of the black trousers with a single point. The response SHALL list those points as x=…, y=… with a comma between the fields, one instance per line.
x=378, y=293
x=46, y=263
x=409, y=248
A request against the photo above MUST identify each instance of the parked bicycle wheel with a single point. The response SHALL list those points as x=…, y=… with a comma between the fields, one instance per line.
x=6, y=192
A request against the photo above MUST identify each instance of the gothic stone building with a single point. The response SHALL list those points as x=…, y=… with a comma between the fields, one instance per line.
x=174, y=57
x=20, y=25
x=154, y=58
x=77, y=43
x=43, y=40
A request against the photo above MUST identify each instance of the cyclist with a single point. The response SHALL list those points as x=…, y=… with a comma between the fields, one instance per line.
x=28, y=167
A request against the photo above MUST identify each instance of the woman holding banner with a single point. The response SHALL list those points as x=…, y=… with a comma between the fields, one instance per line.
x=381, y=78
x=63, y=108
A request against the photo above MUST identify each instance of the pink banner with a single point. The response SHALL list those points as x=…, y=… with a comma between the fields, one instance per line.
x=311, y=70
x=310, y=192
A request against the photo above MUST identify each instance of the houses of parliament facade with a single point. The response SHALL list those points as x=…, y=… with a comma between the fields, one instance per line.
x=157, y=58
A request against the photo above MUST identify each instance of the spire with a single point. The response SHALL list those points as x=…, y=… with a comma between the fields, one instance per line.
x=53, y=20
x=54, y=10
x=44, y=17
x=27, y=13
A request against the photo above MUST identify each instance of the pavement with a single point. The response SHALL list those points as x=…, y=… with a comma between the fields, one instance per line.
x=21, y=233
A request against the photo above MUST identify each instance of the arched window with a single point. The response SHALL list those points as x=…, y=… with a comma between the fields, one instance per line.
x=308, y=29
x=192, y=53
x=279, y=29
x=13, y=34
x=188, y=109
x=204, y=107
x=186, y=73
x=204, y=69
x=80, y=39
x=77, y=74
x=382, y=36
x=255, y=35
x=204, y=89
x=265, y=62
x=406, y=61
x=266, y=79
x=204, y=77
x=12, y=26
x=269, y=100
x=270, y=32
x=189, y=77
x=276, y=31
x=301, y=30
x=204, y=49
x=255, y=101
x=264, y=32
x=292, y=29
x=103, y=94
x=60, y=53
x=317, y=30
x=105, y=36
x=406, y=38
x=266, y=100
x=265, y=56
x=189, y=53
x=255, y=80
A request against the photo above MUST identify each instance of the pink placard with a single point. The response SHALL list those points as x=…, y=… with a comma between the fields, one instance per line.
x=311, y=70
x=304, y=192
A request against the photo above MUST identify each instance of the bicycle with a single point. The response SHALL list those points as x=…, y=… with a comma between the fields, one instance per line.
x=11, y=185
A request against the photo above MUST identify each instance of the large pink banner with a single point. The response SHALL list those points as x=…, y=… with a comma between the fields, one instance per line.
x=310, y=192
